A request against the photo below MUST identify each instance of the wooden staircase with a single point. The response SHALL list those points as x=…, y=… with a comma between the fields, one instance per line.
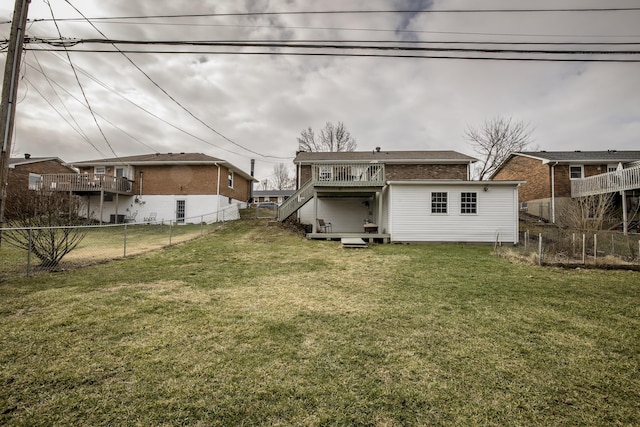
x=296, y=201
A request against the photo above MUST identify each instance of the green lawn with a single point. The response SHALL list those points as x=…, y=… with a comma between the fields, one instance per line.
x=255, y=325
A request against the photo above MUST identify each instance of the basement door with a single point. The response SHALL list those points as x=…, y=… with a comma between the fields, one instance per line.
x=181, y=208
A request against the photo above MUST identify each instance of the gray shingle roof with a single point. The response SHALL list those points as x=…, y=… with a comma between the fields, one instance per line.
x=163, y=159
x=22, y=161
x=155, y=157
x=432, y=156
x=609, y=156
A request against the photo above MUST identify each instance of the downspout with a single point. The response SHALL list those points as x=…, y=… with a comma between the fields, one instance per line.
x=553, y=193
x=218, y=191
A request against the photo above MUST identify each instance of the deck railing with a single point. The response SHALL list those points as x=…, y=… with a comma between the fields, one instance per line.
x=348, y=174
x=295, y=202
x=620, y=180
x=85, y=183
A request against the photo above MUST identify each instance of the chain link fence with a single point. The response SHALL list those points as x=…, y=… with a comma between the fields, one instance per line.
x=34, y=250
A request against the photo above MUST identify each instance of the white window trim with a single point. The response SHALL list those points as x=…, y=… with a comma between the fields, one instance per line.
x=581, y=171
x=230, y=180
x=475, y=203
x=35, y=181
x=446, y=203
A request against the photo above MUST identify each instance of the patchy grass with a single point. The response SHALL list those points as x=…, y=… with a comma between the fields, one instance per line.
x=253, y=325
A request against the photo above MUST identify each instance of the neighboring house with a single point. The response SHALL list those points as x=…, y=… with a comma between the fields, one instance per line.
x=550, y=175
x=179, y=187
x=274, y=196
x=401, y=196
x=26, y=174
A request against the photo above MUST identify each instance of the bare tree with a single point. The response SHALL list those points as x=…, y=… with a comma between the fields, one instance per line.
x=281, y=178
x=495, y=140
x=587, y=213
x=46, y=225
x=332, y=138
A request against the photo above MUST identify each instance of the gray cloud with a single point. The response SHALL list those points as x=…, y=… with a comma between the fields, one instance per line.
x=263, y=102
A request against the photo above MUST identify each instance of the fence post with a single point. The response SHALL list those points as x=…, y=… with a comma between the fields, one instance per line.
x=584, y=249
x=170, y=231
x=29, y=252
x=201, y=225
x=613, y=245
x=595, y=249
x=526, y=240
x=125, y=241
x=540, y=249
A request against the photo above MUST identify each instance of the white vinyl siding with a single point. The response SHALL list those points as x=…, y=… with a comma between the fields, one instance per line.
x=497, y=216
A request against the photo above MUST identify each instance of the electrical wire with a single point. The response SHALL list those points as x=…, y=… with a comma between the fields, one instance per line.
x=379, y=30
x=341, y=46
x=353, y=55
x=152, y=114
x=80, y=86
x=173, y=99
x=78, y=127
x=362, y=12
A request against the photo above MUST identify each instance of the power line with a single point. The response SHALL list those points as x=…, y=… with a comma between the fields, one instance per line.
x=169, y=95
x=301, y=45
x=105, y=86
x=347, y=55
x=80, y=85
x=381, y=30
x=358, y=12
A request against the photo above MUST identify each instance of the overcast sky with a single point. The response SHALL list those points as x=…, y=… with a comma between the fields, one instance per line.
x=263, y=102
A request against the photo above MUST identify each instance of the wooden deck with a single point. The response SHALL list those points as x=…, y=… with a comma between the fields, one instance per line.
x=611, y=182
x=86, y=183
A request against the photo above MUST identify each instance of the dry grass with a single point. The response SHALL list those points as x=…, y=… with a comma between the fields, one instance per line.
x=253, y=325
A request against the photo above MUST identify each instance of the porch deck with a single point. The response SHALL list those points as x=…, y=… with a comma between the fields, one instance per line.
x=367, y=237
x=86, y=183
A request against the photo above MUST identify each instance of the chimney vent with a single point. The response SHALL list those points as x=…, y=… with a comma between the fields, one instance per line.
x=377, y=149
x=27, y=155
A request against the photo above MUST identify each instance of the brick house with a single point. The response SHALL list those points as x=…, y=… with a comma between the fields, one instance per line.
x=548, y=175
x=400, y=196
x=179, y=187
x=271, y=196
x=26, y=174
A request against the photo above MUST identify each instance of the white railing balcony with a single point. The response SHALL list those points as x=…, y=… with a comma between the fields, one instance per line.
x=87, y=182
x=611, y=182
x=348, y=174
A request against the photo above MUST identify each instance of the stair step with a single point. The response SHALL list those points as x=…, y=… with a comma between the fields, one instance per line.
x=353, y=242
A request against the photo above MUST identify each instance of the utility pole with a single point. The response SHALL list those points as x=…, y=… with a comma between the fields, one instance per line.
x=9, y=94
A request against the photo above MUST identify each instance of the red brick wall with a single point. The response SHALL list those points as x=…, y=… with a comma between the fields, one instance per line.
x=400, y=172
x=189, y=180
x=536, y=175
x=19, y=176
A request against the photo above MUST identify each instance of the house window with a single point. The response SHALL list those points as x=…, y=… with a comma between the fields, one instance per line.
x=468, y=203
x=230, y=179
x=34, y=181
x=612, y=168
x=438, y=202
x=99, y=170
x=576, y=172
x=325, y=173
x=121, y=173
